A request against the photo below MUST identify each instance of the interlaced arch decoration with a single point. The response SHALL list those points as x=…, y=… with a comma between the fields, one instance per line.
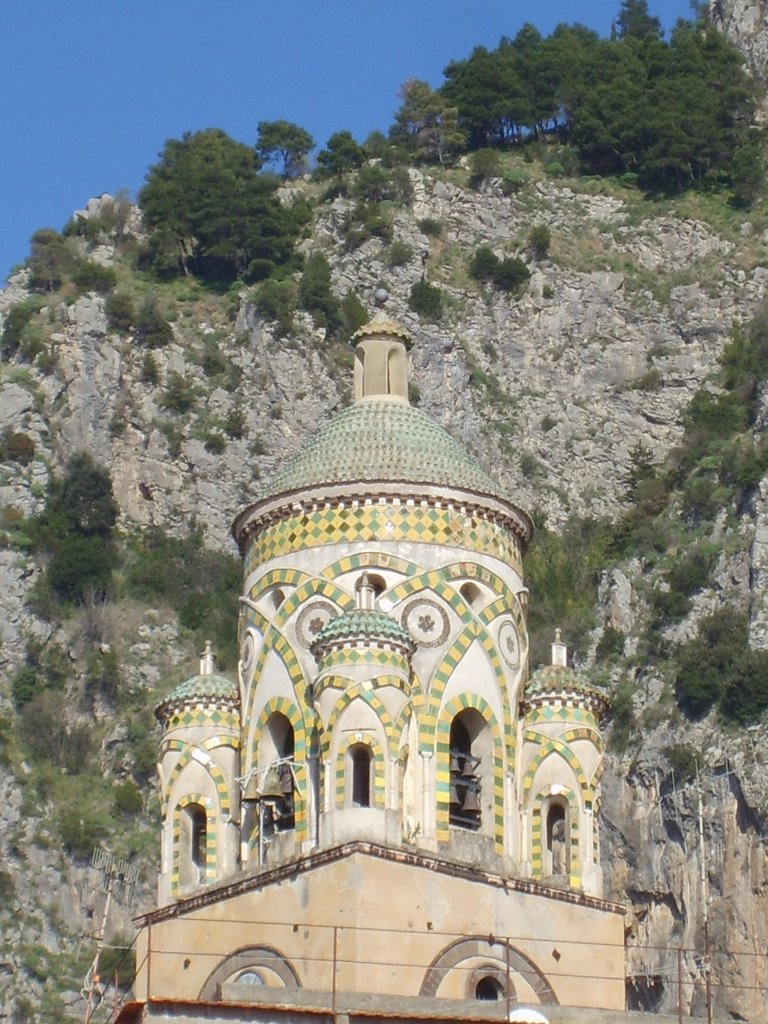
x=476, y=628
x=274, y=639
x=371, y=560
x=443, y=759
x=585, y=733
x=359, y=692
x=550, y=745
x=500, y=949
x=200, y=754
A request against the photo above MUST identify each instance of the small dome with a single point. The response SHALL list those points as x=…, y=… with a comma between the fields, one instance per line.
x=554, y=677
x=205, y=687
x=362, y=624
x=562, y=683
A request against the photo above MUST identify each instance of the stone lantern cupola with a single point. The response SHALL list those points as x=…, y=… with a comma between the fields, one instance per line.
x=381, y=361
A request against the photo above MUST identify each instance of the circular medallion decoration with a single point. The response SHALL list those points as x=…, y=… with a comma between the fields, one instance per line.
x=311, y=620
x=247, y=655
x=509, y=644
x=426, y=621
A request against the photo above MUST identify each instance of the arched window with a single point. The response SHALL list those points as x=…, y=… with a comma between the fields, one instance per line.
x=250, y=978
x=557, y=846
x=471, y=758
x=465, y=779
x=361, y=765
x=488, y=990
x=193, y=845
x=276, y=755
x=472, y=594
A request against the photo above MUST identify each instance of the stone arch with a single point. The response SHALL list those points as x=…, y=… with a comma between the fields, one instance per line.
x=470, y=948
x=370, y=697
x=463, y=702
x=314, y=587
x=549, y=746
x=475, y=629
x=284, y=706
x=371, y=560
x=585, y=733
x=471, y=633
x=275, y=641
x=244, y=958
x=211, y=837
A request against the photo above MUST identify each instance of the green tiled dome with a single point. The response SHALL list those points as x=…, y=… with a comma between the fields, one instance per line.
x=362, y=624
x=554, y=680
x=202, y=688
x=556, y=677
x=386, y=442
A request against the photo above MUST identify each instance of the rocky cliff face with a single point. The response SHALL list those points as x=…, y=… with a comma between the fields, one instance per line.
x=745, y=23
x=621, y=324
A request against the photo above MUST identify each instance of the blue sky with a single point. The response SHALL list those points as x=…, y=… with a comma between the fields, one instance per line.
x=91, y=90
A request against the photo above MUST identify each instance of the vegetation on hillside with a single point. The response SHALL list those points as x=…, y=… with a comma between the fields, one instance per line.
x=223, y=217
x=673, y=526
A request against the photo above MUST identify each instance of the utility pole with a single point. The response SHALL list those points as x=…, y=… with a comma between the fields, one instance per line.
x=704, y=900
x=118, y=880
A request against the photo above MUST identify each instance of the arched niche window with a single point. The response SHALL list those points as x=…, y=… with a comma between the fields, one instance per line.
x=471, y=757
x=488, y=983
x=472, y=595
x=557, y=846
x=360, y=775
x=276, y=752
x=193, y=839
x=276, y=598
x=488, y=990
x=369, y=588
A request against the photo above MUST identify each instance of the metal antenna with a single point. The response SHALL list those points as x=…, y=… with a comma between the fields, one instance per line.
x=118, y=881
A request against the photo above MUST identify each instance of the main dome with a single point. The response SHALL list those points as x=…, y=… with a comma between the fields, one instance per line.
x=381, y=441
x=380, y=449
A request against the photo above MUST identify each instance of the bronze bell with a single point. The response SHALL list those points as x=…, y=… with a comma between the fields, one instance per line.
x=471, y=803
x=270, y=787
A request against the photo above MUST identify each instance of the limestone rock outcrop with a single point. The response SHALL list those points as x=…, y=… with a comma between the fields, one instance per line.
x=620, y=326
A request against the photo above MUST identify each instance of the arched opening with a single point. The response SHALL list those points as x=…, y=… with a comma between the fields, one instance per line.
x=471, y=752
x=556, y=840
x=361, y=770
x=193, y=845
x=373, y=584
x=276, y=751
x=472, y=595
x=276, y=598
x=488, y=990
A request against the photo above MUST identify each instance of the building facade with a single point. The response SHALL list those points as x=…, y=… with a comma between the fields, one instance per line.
x=384, y=802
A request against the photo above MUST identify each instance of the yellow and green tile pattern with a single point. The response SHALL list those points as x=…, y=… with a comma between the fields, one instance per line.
x=383, y=522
